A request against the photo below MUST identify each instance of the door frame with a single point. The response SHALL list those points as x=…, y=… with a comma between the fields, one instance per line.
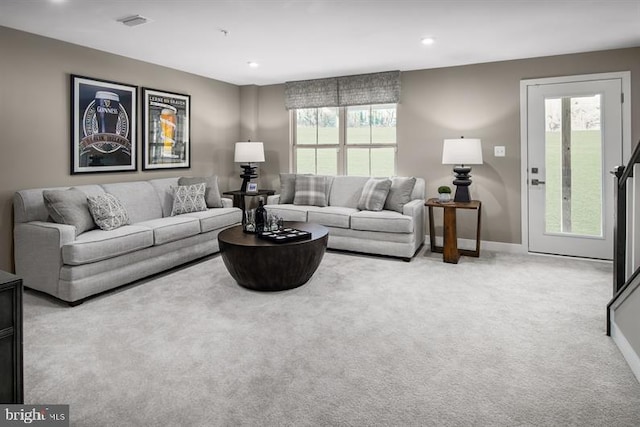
x=624, y=76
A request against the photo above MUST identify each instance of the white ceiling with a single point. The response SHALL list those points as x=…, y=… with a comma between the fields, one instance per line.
x=305, y=39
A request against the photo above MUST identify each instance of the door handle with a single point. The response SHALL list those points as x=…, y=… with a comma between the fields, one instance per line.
x=536, y=181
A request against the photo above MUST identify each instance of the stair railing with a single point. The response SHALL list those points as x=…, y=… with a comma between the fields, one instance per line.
x=620, y=235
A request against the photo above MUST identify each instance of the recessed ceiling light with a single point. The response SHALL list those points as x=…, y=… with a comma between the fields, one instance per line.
x=57, y=1
x=428, y=41
x=253, y=64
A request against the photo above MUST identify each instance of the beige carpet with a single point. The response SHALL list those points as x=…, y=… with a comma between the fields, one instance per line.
x=504, y=340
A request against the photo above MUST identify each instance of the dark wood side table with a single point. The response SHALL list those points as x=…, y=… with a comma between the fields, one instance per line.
x=450, y=252
x=11, y=385
x=239, y=195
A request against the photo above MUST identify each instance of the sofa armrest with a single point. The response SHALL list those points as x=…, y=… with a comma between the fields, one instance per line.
x=226, y=202
x=415, y=209
x=38, y=253
x=273, y=200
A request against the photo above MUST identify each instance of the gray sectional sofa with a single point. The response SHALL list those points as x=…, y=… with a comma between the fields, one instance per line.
x=397, y=233
x=51, y=258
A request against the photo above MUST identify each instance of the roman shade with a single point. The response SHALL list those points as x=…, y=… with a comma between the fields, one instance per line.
x=362, y=89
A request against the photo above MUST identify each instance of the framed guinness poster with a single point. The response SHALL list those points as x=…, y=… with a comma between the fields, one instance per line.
x=166, y=130
x=103, y=126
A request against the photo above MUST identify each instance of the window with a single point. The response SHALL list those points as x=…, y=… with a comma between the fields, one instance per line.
x=358, y=140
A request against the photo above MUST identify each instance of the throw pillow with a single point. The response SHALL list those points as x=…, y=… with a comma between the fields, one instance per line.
x=310, y=191
x=188, y=198
x=211, y=193
x=107, y=211
x=287, y=187
x=374, y=194
x=69, y=207
x=399, y=193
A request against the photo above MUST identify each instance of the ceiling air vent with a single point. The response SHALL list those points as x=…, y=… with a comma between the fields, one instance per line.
x=132, y=21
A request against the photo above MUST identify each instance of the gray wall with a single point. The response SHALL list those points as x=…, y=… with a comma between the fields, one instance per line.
x=475, y=101
x=34, y=102
x=480, y=101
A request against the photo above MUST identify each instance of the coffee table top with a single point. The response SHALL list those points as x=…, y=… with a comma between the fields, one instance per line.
x=236, y=236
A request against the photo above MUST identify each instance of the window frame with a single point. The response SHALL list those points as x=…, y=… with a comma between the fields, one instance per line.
x=342, y=146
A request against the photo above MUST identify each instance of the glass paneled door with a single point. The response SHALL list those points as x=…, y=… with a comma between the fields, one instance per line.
x=574, y=140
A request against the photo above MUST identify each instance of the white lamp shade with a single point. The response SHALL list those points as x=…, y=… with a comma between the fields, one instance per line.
x=463, y=151
x=249, y=152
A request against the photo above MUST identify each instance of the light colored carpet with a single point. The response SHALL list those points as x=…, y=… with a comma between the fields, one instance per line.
x=504, y=340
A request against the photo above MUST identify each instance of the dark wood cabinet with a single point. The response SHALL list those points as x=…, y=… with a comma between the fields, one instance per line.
x=11, y=387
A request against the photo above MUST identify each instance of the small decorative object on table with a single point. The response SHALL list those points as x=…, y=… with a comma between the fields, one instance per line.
x=252, y=188
x=261, y=216
x=284, y=235
x=444, y=193
x=249, y=221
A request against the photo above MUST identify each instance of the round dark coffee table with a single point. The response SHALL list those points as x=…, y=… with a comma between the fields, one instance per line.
x=265, y=266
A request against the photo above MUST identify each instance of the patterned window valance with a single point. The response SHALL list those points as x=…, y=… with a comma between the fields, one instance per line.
x=363, y=89
x=311, y=93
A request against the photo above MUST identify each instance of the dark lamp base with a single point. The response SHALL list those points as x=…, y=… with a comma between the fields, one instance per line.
x=248, y=173
x=462, y=183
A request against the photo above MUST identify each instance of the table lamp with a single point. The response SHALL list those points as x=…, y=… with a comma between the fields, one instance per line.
x=462, y=152
x=248, y=153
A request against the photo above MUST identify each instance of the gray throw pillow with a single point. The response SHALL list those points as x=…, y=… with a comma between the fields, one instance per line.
x=287, y=187
x=399, y=193
x=69, y=207
x=212, y=192
x=107, y=211
x=188, y=198
x=310, y=191
x=374, y=194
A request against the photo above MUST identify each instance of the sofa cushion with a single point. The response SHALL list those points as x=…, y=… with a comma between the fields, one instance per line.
x=107, y=211
x=164, y=190
x=218, y=218
x=172, y=228
x=96, y=245
x=399, y=193
x=188, y=198
x=388, y=221
x=139, y=198
x=346, y=191
x=69, y=207
x=310, y=191
x=331, y=216
x=374, y=194
x=291, y=212
x=211, y=192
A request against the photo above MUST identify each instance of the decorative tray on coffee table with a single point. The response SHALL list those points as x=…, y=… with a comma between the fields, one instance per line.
x=284, y=235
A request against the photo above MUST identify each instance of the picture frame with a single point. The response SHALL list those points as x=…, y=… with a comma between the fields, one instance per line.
x=103, y=126
x=252, y=187
x=166, y=135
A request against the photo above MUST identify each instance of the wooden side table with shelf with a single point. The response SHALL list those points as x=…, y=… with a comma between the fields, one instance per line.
x=239, y=195
x=449, y=250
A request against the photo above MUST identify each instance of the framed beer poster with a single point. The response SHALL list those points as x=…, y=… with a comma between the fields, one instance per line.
x=166, y=130
x=103, y=126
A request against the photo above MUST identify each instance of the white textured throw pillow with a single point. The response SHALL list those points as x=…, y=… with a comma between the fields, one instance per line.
x=188, y=198
x=374, y=194
x=107, y=211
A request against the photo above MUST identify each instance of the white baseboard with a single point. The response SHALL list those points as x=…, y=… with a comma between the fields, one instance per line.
x=627, y=351
x=513, y=248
